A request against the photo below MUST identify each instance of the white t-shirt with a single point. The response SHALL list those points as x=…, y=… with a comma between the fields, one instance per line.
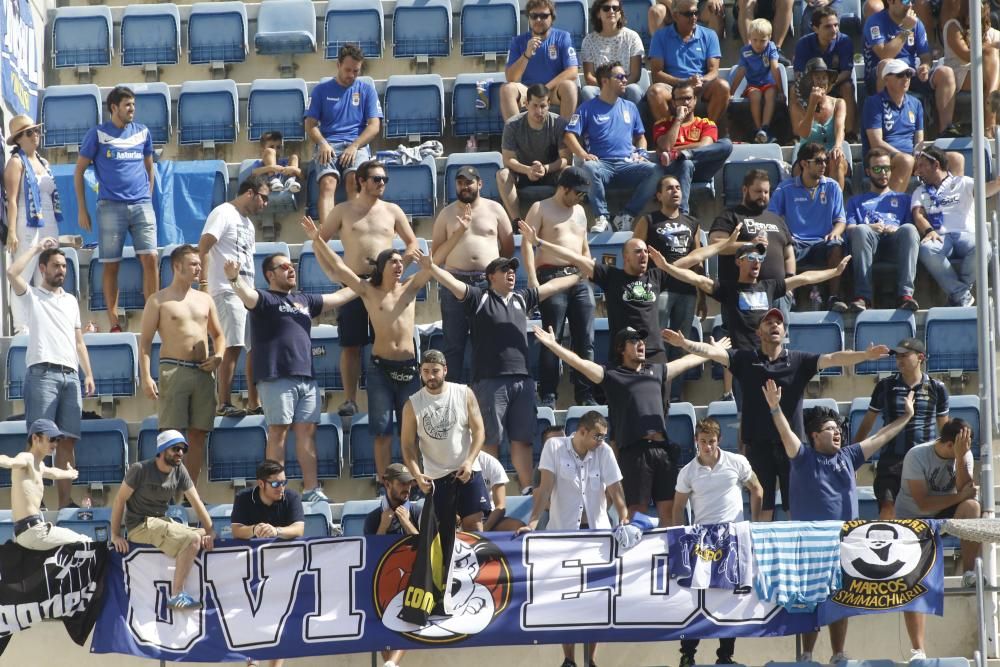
x=234, y=234
x=53, y=319
x=948, y=207
x=580, y=484
x=716, y=494
x=493, y=474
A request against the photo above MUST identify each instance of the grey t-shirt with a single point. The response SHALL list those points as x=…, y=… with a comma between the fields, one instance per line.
x=153, y=490
x=530, y=144
x=923, y=463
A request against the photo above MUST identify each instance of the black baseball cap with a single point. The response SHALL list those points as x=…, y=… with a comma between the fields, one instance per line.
x=574, y=178
x=908, y=345
x=502, y=263
x=627, y=334
x=748, y=248
x=468, y=172
x=398, y=471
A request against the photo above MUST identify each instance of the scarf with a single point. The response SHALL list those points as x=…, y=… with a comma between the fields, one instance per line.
x=33, y=193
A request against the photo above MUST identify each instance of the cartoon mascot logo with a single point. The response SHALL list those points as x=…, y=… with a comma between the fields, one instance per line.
x=480, y=589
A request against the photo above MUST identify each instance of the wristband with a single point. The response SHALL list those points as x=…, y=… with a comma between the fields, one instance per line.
x=926, y=232
x=776, y=410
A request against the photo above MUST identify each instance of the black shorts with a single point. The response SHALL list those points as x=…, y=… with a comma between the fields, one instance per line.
x=353, y=325
x=649, y=471
x=947, y=512
x=888, y=479
x=770, y=463
x=466, y=499
x=549, y=180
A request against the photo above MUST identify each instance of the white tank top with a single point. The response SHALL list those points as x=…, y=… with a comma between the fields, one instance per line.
x=443, y=428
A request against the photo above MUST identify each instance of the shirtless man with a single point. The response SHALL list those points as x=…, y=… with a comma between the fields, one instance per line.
x=27, y=470
x=468, y=234
x=366, y=226
x=561, y=220
x=390, y=305
x=185, y=319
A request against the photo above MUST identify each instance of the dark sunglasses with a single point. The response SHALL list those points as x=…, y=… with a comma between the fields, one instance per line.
x=610, y=8
x=262, y=196
x=819, y=160
x=183, y=449
x=539, y=16
x=276, y=483
x=31, y=132
x=690, y=14
x=902, y=75
x=880, y=169
x=379, y=179
x=620, y=77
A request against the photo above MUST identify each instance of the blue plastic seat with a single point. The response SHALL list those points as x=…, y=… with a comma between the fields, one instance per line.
x=208, y=111
x=744, y=158
x=146, y=442
x=414, y=105
x=357, y=22
x=102, y=451
x=114, y=360
x=574, y=412
x=329, y=436
x=963, y=145
x=130, y=294
x=217, y=32
x=572, y=16
x=240, y=374
x=326, y=359
x=318, y=519
x=68, y=112
x=363, y=448
x=235, y=448
x=966, y=407
x=276, y=104
x=13, y=436
x=858, y=410
x=606, y=248
x=882, y=327
x=636, y=16
x=94, y=522
x=466, y=118
x=951, y=337
x=819, y=332
x=413, y=187
x=488, y=26
x=486, y=163
x=151, y=34
x=81, y=37
x=680, y=429
x=15, y=367
x=6, y=526
x=421, y=28
x=352, y=521
x=152, y=106
x=867, y=504
x=313, y=280
x=602, y=340
x=261, y=252
x=285, y=27
x=728, y=415
x=222, y=519
x=544, y=418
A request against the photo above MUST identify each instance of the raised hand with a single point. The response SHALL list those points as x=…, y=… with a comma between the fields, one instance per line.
x=876, y=352
x=232, y=269
x=843, y=265
x=772, y=392
x=545, y=337
x=528, y=234
x=675, y=338
x=309, y=227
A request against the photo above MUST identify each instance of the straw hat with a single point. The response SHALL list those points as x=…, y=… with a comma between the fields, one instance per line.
x=19, y=124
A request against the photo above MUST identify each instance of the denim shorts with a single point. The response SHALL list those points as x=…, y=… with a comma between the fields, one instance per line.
x=115, y=219
x=55, y=395
x=291, y=400
x=363, y=154
x=386, y=397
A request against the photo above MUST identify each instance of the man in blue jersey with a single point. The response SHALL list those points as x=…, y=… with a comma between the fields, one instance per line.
x=893, y=120
x=837, y=51
x=343, y=117
x=607, y=134
x=121, y=151
x=542, y=55
x=879, y=223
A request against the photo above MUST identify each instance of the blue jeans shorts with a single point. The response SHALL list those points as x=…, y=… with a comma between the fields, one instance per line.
x=363, y=154
x=53, y=394
x=115, y=219
x=291, y=400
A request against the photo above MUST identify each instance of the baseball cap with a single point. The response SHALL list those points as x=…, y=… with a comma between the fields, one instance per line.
x=774, y=312
x=398, y=471
x=45, y=427
x=629, y=333
x=574, y=178
x=748, y=248
x=896, y=66
x=468, y=172
x=167, y=439
x=908, y=345
x=502, y=263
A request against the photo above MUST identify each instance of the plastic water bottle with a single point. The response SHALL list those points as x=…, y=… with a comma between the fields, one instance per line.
x=815, y=298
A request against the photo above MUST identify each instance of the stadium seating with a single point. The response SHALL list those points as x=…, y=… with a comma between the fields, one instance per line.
x=6, y=526
x=680, y=430
x=414, y=105
x=967, y=407
x=825, y=402
x=467, y=115
x=130, y=294
x=352, y=521
x=636, y=17
x=151, y=34
x=488, y=26
x=152, y=106
x=951, y=339
x=363, y=448
x=882, y=327
x=235, y=448
x=102, y=451
x=963, y=145
x=208, y=112
x=217, y=33
x=222, y=522
x=354, y=22
x=422, y=28
x=261, y=252
x=602, y=340
x=744, y=158
x=574, y=412
x=81, y=37
x=94, y=522
x=819, y=332
x=68, y=112
x=146, y=442
x=285, y=27
x=13, y=437
x=329, y=457
x=413, y=187
x=15, y=367
x=728, y=416
x=572, y=16
x=276, y=105
x=486, y=163
x=114, y=360
x=545, y=418
x=606, y=248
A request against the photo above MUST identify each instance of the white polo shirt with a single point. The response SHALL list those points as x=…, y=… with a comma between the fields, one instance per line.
x=580, y=483
x=716, y=494
x=948, y=207
x=53, y=318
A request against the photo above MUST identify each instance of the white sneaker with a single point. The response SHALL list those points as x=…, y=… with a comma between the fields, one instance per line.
x=917, y=654
x=276, y=185
x=600, y=225
x=623, y=222
x=292, y=185
x=838, y=658
x=805, y=656
x=969, y=579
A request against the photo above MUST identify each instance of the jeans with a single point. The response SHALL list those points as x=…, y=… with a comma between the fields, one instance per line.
x=677, y=313
x=633, y=93
x=702, y=166
x=576, y=304
x=53, y=394
x=639, y=177
x=115, y=219
x=952, y=262
x=866, y=244
x=455, y=325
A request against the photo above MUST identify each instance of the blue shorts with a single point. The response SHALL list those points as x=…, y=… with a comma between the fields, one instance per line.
x=53, y=394
x=291, y=400
x=508, y=407
x=814, y=253
x=333, y=167
x=388, y=392
x=115, y=219
x=468, y=497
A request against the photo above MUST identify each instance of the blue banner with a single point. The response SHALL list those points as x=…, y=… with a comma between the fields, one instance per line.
x=20, y=66
x=342, y=595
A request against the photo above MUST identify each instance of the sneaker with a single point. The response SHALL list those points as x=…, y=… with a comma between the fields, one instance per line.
x=969, y=579
x=838, y=658
x=951, y=131
x=276, y=185
x=686, y=660
x=728, y=396
x=548, y=401
x=836, y=304
x=259, y=410
x=623, y=222
x=917, y=654
x=568, y=662
x=183, y=601
x=859, y=304
x=526, y=491
x=805, y=656
x=312, y=495
x=292, y=185
x=600, y=225
x=907, y=302
x=347, y=409
x=230, y=410
x=760, y=137
x=967, y=300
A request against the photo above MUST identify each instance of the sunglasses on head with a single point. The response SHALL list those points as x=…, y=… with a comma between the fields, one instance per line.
x=540, y=16
x=277, y=483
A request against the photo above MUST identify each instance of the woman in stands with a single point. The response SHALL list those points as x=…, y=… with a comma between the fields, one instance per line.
x=33, y=211
x=608, y=42
x=958, y=55
x=819, y=117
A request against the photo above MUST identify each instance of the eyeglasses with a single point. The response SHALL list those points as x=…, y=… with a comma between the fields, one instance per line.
x=378, y=179
x=179, y=449
x=540, y=16
x=690, y=14
x=620, y=77
x=287, y=266
x=610, y=8
x=263, y=197
x=276, y=483
x=819, y=160
x=880, y=169
x=599, y=437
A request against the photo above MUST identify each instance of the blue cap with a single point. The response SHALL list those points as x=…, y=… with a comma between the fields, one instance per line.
x=45, y=427
x=168, y=439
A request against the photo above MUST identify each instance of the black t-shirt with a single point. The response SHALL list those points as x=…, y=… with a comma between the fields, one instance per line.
x=673, y=238
x=374, y=518
x=930, y=401
x=635, y=402
x=631, y=302
x=499, y=331
x=778, y=237
x=743, y=304
x=248, y=509
x=791, y=371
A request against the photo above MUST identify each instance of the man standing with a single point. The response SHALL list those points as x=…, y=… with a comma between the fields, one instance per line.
x=880, y=219
x=390, y=301
x=542, y=55
x=561, y=220
x=366, y=226
x=532, y=148
x=185, y=319
x=613, y=148
x=893, y=120
x=343, y=117
x=823, y=480
x=27, y=470
x=121, y=151
x=468, y=234
x=280, y=323
x=578, y=475
x=837, y=51
x=52, y=388
x=148, y=488
x=930, y=399
x=229, y=234
x=443, y=425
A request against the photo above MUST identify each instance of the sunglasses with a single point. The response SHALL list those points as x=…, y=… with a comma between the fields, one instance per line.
x=754, y=257
x=902, y=75
x=181, y=449
x=276, y=483
x=539, y=16
x=31, y=132
x=611, y=8
x=690, y=14
x=880, y=169
x=620, y=77
x=819, y=160
x=287, y=266
x=379, y=179
x=263, y=197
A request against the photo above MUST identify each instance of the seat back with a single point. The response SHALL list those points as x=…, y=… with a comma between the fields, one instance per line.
x=114, y=360
x=94, y=522
x=882, y=327
x=636, y=16
x=151, y=34
x=414, y=105
x=352, y=521
x=422, y=28
x=468, y=117
x=744, y=158
x=819, y=332
x=574, y=412
x=680, y=429
x=102, y=451
x=951, y=336
x=488, y=26
x=68, y=112
x=15, y=367
x=486, y=163
x=276, y=104
x=966, y=407
x=354, y=22
x=728, y=416
x=217, y=32
x=146, y=442
x=261, y=252
x=208, y=111
x=152, y=106
x=329, y=436
x=81, y=36
x=235, y=448
x=413, y=187
x=130, y=294
x=285, y=27
x=363, y=448
x=571, y=16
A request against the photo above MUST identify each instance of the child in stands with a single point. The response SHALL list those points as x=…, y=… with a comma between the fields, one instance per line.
x=284, y=173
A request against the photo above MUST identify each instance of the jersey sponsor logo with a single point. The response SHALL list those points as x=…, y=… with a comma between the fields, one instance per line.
x=875, y=32
x=293, y=308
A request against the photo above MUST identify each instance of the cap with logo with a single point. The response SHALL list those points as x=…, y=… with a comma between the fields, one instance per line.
x=397, y=471
x=502, y=264
x=468, y=172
